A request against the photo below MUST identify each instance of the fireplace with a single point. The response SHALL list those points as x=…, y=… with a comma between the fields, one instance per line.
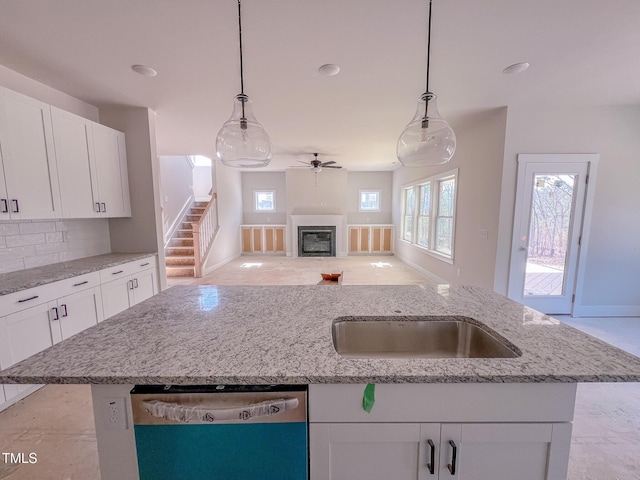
x=317, y=241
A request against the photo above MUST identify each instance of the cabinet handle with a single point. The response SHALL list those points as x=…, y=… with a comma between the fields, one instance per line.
x=104, y=207
x=452, y=465
x=63, y=307
x=54, y=312
x=97, y=209
x=130, y=283
x=15, y=205
x=144, y=264
x=81, y=283
x=432, y=457
x=116, y=273
x=27, y=299
x=135, y=283
x=5, y=205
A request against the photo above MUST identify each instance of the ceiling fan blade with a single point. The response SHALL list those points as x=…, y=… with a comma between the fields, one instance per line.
x=306, y=163
x=324, y=164
x=331, y=166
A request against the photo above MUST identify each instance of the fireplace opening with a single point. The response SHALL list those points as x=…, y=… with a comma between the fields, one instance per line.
x=317, y=241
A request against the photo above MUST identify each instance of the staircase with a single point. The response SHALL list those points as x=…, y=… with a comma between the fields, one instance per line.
x=179, y=253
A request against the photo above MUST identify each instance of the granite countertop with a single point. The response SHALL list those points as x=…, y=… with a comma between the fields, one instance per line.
x=34, y=277
x=282, y=334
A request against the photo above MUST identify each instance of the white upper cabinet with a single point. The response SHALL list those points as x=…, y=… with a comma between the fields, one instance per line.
x=92, y=167
x=30, y=185
x=73, y=140
x=111, y=171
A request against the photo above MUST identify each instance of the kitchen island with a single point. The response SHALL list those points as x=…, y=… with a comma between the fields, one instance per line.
x=205, y=335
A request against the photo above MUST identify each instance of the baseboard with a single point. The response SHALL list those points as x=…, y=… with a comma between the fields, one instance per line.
x=20, y=396
x=606, y=311
x=425, y=273
x=222, y=263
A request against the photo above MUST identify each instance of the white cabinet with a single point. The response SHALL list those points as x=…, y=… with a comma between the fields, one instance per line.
x=494, y=431
x=367, y=239
x=263, y=239
x=74, y=313
x=92, y=167
x=28, y=177
x=111, y=171
x=411, y=451
x=127, y=285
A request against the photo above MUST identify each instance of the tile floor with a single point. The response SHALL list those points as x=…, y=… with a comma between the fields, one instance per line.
x=56, y=422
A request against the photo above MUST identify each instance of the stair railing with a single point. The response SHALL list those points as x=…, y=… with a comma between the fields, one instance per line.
x=204, y=232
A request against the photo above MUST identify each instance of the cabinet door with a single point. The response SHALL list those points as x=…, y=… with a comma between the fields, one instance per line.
x=111, y=171
x=28, y=156
x=145, y=285
x=274, y=239
x=387, y=239
x=372, y=451
x=256, y=239
x=381, y=239
x=354, y=239
x=115, y=296
x=492, y=451
x=77, y=312
x=23, y=334
x=280, y=244
x=246, y=240
x=74, y=153
x=364, y=239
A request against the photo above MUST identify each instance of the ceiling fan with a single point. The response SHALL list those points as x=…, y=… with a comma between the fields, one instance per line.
x=316, y=165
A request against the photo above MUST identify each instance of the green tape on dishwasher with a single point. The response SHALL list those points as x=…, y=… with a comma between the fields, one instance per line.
x=369, y=397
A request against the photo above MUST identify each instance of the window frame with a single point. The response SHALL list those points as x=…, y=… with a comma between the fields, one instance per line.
x=255, y=201
x=433, y=215
x=377, y=191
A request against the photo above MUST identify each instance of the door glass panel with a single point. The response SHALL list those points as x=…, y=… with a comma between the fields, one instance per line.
x=549, y=230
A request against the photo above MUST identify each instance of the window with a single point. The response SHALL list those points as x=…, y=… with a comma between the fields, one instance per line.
x=369, y=200
x=430, y=223
x=264, y=200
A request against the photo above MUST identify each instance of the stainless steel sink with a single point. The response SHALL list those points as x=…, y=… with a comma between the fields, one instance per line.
x=418, y=337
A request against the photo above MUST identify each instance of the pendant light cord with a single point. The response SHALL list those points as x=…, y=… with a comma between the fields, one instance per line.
x=425, y=120
x=241, y=67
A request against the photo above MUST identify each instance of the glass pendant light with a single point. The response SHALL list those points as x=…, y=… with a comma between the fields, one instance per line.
x=427, y=139
x=242, y=141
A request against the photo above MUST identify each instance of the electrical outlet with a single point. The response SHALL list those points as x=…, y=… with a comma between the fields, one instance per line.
x=115, y=413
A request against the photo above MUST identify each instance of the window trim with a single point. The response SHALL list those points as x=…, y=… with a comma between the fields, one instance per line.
x=369, y=190
x=433, y=213
x=255, y=201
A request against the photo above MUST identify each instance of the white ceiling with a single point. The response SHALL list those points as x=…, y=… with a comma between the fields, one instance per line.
x=582, y=52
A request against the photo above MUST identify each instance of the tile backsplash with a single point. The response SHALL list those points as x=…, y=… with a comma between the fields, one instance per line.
x=33, y=243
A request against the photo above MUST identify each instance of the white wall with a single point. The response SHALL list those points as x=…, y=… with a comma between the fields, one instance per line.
x=612, y=268
x=176, y=189
x=227, y=244
x=264, y=181
x=143, y=231
x=202, y=185
x=479, y=154
x=373, y=181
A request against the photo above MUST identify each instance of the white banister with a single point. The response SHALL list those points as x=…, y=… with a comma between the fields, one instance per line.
x=204, y=232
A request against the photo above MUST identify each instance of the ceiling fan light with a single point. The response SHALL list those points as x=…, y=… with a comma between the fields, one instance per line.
x=242, y=142
x=426, y=140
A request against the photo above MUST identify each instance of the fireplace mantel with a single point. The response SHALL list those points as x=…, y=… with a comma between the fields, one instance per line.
x=313, y=220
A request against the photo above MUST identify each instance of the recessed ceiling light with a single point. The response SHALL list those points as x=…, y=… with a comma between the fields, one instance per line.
x=516, y=68
x=329, y=70
x=144, y=70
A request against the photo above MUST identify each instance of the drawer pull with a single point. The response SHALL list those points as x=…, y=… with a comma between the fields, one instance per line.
x=104, y=207
x=27, y=299
x=97, y=207
x=144, y=264
x=432, y=457
x=135, y=283
x=81, y=283
x=452, y=466
x=5, y=205
x=130, y=283
x=63, y=307
x=54, y=312
x=16, y=209
x=116, y=273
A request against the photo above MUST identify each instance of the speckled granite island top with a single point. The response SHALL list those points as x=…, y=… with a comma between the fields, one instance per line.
x=34, y=277
x=282, y=334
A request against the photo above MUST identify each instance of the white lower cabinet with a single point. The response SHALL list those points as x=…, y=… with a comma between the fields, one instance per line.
x=347, y=443
x=129, y=289
x=74, y=313
x=406, y=451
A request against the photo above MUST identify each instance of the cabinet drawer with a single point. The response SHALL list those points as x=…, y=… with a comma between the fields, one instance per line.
x=15, y=302
x=77, y=284
x=129, y=268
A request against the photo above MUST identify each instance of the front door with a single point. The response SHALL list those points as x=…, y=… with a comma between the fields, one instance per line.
x=550, y=205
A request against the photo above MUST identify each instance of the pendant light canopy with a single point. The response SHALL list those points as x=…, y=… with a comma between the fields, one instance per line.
x=427, y=139
x=242, y=141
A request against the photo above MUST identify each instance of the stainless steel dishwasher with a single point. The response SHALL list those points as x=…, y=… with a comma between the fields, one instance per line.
x=221, y=432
